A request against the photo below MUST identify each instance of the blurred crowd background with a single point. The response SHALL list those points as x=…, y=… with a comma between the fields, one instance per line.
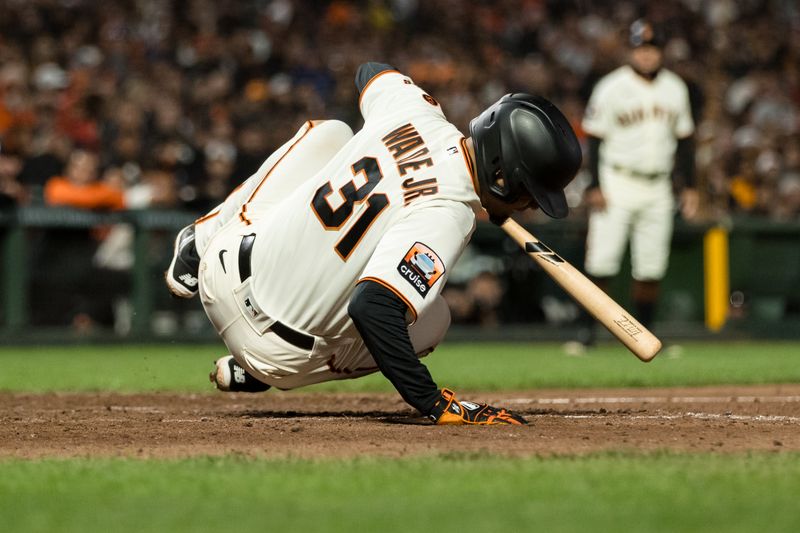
x=130, y=104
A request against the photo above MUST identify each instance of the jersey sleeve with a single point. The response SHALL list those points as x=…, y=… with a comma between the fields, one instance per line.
x=684, y=126
x=413, y=257
x=367, y=71
x=597, y=117
x=389, y=93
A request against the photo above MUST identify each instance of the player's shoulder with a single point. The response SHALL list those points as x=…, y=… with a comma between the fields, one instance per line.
x=670, y=77
x=372, y=82
x=621, y=72
x=391, y=93
x=612, y=79
x=369, y=81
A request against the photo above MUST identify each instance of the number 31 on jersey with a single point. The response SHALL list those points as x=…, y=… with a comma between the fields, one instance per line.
x=333, y=219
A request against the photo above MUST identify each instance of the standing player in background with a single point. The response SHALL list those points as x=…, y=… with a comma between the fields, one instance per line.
x=329, y=261
x=639, y=127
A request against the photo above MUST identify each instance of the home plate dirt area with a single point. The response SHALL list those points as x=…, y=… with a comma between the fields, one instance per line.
x=727, y=419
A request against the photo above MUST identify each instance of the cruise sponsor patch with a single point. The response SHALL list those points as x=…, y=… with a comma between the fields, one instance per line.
x=421, y=267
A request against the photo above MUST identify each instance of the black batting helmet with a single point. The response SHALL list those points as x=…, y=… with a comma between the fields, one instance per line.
x=528, y=142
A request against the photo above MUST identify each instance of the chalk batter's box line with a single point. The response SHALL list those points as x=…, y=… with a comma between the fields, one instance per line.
x=653, y=399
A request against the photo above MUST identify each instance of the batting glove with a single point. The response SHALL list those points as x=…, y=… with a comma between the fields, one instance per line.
x=448, y=410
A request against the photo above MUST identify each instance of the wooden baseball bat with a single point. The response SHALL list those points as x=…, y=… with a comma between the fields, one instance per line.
x=619, y=322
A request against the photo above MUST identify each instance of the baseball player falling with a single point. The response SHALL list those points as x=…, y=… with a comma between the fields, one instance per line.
x=639, y=127
x=329, y=261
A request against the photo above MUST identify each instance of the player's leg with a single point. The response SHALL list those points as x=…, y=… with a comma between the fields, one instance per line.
x=298, y=159
x=606, y=240
x=650, y=244
x=229, y=376
x=303, y=160
x=645, y=294
x=288, y=368
x=347, y=358
x=181, y=275
x=256, y=361
x=258, y=352
x=259, y=358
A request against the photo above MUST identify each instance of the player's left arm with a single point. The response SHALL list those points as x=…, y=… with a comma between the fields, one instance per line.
x=402, y=279
x=379, y=315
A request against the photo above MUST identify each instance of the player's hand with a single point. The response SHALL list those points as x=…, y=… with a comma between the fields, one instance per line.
x=689, y=203
x=448, y=410
x=593, y=197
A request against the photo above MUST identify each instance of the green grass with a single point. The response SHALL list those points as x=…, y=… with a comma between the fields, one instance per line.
x=600, y=493
x=476, y=366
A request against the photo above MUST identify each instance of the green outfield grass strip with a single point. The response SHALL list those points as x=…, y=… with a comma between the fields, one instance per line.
x=476, y=366
x=600, y=493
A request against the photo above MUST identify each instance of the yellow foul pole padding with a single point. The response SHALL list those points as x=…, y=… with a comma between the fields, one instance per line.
x=716, y=275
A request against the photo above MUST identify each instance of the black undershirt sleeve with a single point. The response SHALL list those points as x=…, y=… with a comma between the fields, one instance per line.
x=379, y=316
x=367, y=71
x=593, y=146
x=684, y=162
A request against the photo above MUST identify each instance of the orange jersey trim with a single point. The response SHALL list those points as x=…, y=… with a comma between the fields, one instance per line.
x=269, y=172
x=243, y=217
x=468, y=161
x=207, y=217
x=373, y=78
x=395, y=291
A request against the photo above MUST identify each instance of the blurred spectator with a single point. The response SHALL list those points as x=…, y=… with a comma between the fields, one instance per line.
x=12, y=193
x=46, y=156
x=252, y=145
x=80, y=188
x=68, y=288
x=202, y=86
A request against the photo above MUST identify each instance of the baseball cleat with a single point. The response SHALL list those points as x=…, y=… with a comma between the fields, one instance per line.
x=585, y=342
x=574, y=348
x=228, y=376
x=181, y=276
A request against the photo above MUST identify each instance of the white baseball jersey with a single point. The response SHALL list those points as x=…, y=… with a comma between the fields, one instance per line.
x=395, y=204
x=639, y=120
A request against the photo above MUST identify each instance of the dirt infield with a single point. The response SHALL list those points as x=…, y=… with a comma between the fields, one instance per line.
x=311, y=425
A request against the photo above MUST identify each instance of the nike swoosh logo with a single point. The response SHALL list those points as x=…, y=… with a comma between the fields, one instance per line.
x=222, y=260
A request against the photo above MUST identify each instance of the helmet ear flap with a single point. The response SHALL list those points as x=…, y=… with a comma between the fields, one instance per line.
x=509, y=189
x=529, y=141
x=498, y=184
x=485, y=133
